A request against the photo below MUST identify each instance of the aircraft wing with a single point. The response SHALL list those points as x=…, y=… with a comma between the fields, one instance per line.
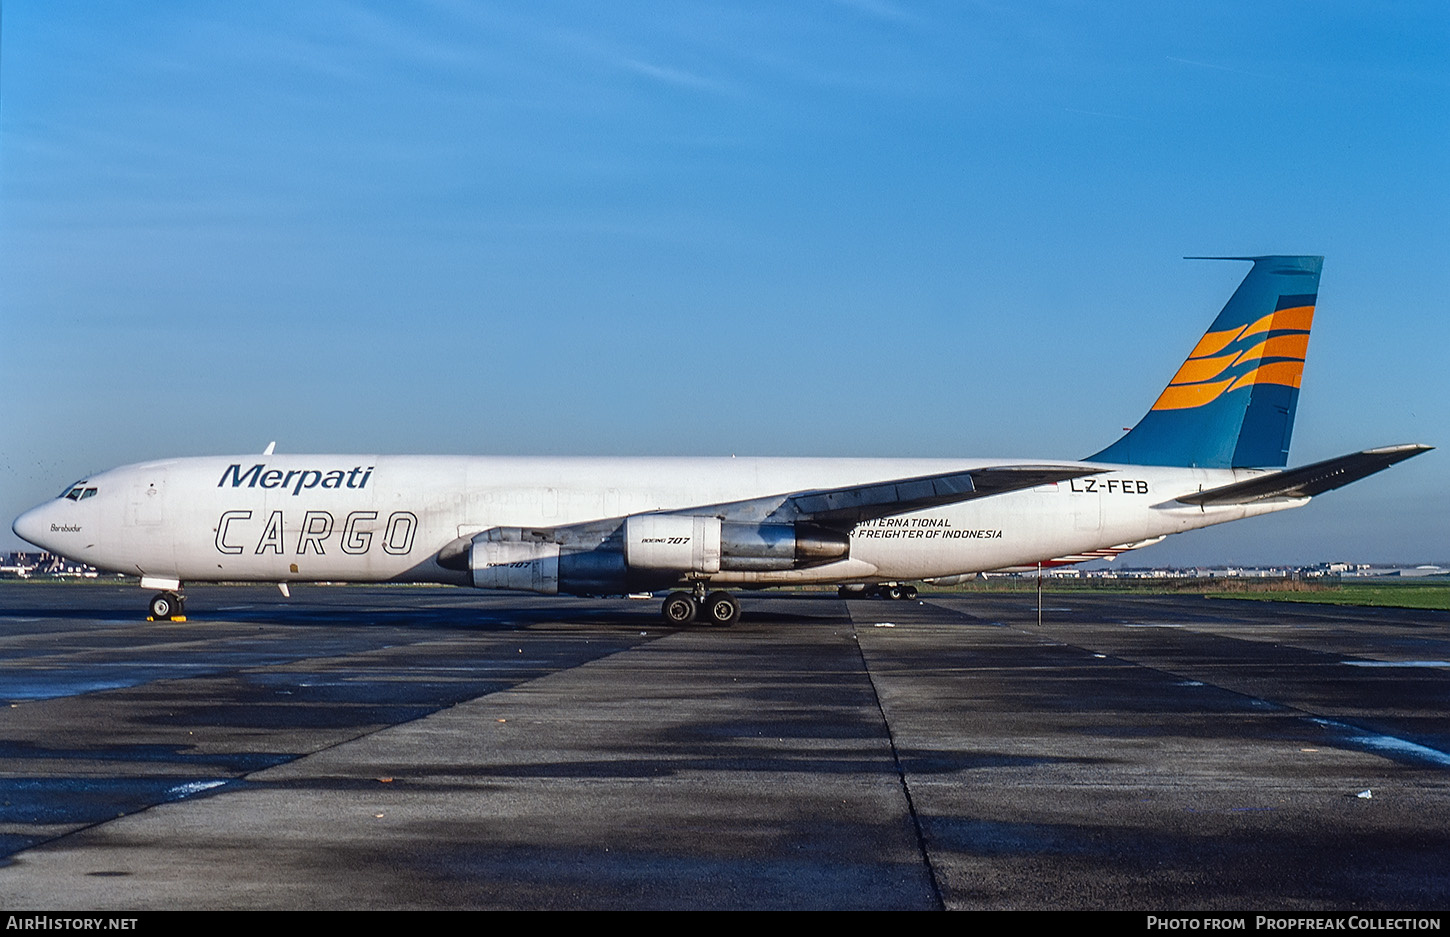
x=1308, y=480
x=854, y=504
x=846, y=506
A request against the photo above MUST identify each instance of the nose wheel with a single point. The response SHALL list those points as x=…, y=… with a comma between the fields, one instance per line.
x=168, y=606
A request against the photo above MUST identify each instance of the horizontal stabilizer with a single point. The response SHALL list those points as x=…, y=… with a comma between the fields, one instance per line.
x=859, y=503
x=1309, y=480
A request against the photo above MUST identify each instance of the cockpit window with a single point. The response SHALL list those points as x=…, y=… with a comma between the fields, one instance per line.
x=88, y=493
x=78, y=492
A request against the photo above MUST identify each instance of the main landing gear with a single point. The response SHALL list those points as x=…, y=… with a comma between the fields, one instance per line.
x=718, y=608
x=168, y=606
x=884, y=590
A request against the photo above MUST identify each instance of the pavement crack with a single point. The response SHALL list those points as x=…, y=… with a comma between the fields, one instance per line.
x=936, y=892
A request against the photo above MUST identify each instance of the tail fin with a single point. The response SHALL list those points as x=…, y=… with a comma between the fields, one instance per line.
x=1231, y=404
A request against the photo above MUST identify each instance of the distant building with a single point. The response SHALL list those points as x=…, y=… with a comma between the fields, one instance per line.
x=30, y=565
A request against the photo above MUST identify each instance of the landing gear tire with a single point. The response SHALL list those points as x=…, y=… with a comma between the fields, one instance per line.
x=722, y=609
x=908, y=592
x=166, y=606
x=680, y=608
x=895, y=592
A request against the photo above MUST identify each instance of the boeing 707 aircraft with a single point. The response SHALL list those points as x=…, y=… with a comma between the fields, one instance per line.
x=1212, y=449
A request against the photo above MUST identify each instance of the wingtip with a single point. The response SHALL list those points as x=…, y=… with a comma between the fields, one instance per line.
x=1408, y=449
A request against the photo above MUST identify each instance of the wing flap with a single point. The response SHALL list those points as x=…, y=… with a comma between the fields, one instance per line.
x=1308, y=480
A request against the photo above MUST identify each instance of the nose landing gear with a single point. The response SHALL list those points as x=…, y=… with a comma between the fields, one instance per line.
x=168, y=606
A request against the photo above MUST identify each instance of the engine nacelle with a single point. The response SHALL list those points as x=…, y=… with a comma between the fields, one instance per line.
x=540, y=560
x=683, y=542
x=519, y=565
x=703, y=544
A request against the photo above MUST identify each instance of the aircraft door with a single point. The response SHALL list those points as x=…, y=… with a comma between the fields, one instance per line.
x=145, y=506
x=146, y=531
x=1087, y=511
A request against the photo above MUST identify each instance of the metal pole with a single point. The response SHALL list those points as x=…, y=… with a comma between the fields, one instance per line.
x=1039, y=593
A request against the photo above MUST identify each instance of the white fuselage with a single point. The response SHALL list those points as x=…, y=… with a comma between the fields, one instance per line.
x=278, y=518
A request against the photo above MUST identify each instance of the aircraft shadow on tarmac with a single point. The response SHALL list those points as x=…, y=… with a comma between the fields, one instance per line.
x=639, y=616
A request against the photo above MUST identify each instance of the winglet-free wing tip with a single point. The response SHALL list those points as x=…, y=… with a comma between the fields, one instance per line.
x=1410, y=449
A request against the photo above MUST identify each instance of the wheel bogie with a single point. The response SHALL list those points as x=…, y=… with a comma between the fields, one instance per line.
x=878, y=590
x=682, y=608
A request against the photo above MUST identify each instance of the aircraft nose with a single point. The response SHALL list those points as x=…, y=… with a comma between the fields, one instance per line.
x=32, y=526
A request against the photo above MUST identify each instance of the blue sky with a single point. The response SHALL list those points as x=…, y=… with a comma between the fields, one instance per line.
x=812, y=228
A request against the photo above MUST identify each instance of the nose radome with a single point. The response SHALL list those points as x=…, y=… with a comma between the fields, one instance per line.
x=31, y=526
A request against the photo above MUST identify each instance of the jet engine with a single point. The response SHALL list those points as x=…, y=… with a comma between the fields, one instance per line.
x=692, y=543
x=643, y=553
